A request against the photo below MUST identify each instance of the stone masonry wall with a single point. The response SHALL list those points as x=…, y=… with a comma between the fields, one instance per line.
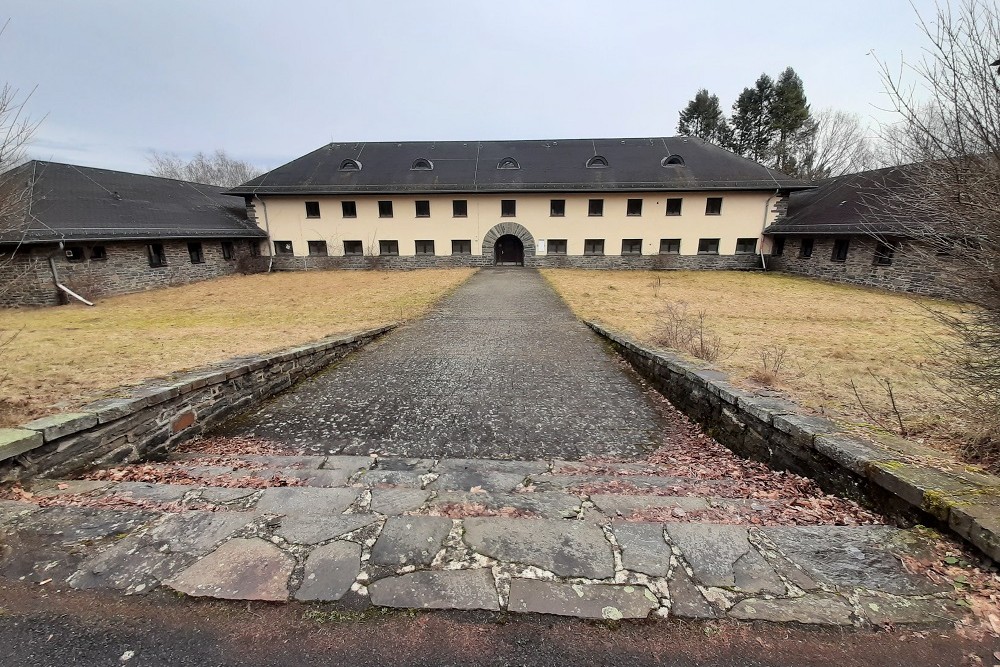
x=27, y=279
x=884, y=473
x=149, y=419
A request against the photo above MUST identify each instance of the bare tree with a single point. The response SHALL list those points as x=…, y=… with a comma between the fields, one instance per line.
x=215, y=169
x=946, y=200
x=840, y=144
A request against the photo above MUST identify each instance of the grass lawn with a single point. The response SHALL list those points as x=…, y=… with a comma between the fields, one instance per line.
x=62, y=357
x=831, y=334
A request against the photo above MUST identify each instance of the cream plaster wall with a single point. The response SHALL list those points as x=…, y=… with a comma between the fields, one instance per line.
x=743, y=216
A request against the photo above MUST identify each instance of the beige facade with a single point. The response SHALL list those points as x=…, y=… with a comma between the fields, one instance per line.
x=743, y=215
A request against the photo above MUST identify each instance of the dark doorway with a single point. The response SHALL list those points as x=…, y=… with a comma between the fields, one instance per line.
x=508, y=251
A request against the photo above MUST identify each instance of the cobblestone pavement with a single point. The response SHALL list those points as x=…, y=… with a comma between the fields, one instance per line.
x=500, y=369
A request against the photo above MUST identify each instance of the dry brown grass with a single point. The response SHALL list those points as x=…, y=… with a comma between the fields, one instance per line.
x=829, y=334
x=65, y=356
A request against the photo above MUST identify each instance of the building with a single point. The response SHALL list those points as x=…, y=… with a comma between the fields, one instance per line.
x=99, y=232
x=673, y=202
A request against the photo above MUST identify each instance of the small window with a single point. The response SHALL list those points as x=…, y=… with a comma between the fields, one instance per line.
x=746, y=246
x=196, y=253
x=670, y=246
x=460, y=208
x=631, y=246
x=508, y=208
x=672, y=161
x=597, y=162
x=353, y=248
x=595, y=208
x=423, y=208
x=157, y=256
x=708, y=246
x=388, y=247
x=557, y=208
x=556, y=247
x=422, y=164
x=349, y=209
x=840, y=247
x=385, y=209
x=228, y=251
x=508, y=163
x=424, y=247
x=98, y=253
x=806, y=249
x=713, y=206
x=778, y=246
x=254, y=249
x=593, y=247
x=884, y=252
x=674, y=206
x=312, y=209
x=283, y=248
x=461, y=247
x=350, y=165
x=633, y=207
x=75, y=254
x=317, y=248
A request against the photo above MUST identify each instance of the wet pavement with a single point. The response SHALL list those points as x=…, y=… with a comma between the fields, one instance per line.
x=500, y=369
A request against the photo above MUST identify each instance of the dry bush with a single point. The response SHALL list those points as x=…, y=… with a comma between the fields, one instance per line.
x=772, y=360
x=687, y=333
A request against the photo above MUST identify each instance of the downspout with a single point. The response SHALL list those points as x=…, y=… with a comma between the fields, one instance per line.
x=767, y=208
x=267, y=229
x=59, y=285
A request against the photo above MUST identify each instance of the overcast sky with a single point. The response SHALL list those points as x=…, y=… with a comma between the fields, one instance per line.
x=270, y=81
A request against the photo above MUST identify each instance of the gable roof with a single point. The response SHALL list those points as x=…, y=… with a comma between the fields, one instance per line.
x=541, y=166
x=67, y=202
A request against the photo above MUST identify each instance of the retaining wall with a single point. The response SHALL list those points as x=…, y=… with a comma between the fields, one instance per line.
x=890, y=474
x=148, y=419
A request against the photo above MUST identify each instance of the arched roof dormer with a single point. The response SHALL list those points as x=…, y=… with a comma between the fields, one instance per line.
x=422, y=164
x=597, y=162
x=508, y=163
x=350, y=165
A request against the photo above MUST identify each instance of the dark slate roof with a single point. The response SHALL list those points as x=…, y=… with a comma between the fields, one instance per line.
x=545, y=166
x=868, y=202
x=73, y=203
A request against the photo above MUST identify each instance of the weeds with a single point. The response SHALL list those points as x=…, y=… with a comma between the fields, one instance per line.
x=886, y=385
x=772, y=358
x=688, y=333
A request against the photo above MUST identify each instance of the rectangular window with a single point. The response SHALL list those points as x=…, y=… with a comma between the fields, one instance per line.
x=423, y=208
x=98, y=253
x=778, y=247
x=349, y=209
x=388, y=247
x=461, y=247
x=228, y=251
x=708, y=246
x=806, y=249
x=557, y=208
x=283, y=248
x=746, y=246
x=674, y=206
x=633, y=207
x=508, y=208
x=595, y=207
x=317, y=248
x=254, y=249
x=460, y=208
x=424, y=247
x=385, y=209
x=840, y=247
x=884, y=252
x=353, y=248
x=556, y=247
x=593, y=247
x=713, y=206
x=196, y=254
x=670, y=246
x=157, y=256
x=312, y=209
x=75, y=254
x=631, y=246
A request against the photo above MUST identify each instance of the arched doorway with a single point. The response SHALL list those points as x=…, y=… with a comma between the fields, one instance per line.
x=508, y=251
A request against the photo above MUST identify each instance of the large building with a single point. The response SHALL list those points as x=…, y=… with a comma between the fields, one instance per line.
x=98, y=232
x=673, y=202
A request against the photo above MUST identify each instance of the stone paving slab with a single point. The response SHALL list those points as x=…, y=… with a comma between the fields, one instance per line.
x=410, y=540
x=398, y=501
x=330, y=571
x=812, y=610
x=305, y=500
x=644, y=548
x=601, y=601
x=547, y=505
x=313, y=529
x=722, y=556
x=241, y=569
x=450, y=589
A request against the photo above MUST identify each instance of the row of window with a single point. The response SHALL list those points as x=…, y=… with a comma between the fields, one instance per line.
x=884, y=250
x=508, y=208
x=155, y=252
x=595, y=162
x=745, y=246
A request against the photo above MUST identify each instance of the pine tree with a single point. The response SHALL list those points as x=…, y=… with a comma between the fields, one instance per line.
x=790, y=120
x=703, y=118
x=751, y=120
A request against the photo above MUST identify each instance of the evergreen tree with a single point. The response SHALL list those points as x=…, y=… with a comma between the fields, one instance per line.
x=751, y=120
x=703, y=118
x=790, y=120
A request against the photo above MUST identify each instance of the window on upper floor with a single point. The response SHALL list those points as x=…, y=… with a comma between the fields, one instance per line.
x=460, y=208
x=508, y=208
x=597, y=162
x=312, y=209
x=713, y=206
x=806, y=248
x=557, y=208
x=228, y=251
x=75, y=253
x=633, y=207
x=385, y=209
x=349, y=209
x=885, y=251
x=422, y=164
x=508, y=163
x=156, y=254
x=350, y=165
x=98, y=253
x=422, y=208
x=674, y=206
x=840, y=249
x=595, y=207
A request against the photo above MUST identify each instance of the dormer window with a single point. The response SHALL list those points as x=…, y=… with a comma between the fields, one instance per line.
x=597, y=162
x=421, y=164
x=672, y=160
x=350, y=165
x=508, y=163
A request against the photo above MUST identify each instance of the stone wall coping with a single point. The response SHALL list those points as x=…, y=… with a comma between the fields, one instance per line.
x=151, y=392
x=965, y=500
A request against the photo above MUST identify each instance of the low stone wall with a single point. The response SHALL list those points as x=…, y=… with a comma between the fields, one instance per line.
x=889, y=474
x=606, y=262
x=150, y=418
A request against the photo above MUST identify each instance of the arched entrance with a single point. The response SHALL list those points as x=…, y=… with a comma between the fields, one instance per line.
x=508, y=251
